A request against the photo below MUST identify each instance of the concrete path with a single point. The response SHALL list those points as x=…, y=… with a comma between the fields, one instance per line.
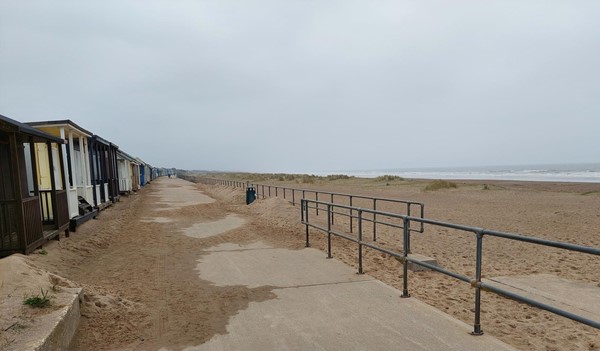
x=576, y=297
x=323, y=304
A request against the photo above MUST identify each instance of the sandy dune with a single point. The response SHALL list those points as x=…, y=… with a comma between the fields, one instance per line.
x=142, y=289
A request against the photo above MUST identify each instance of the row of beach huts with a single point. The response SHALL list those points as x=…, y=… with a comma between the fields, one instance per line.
x=56, y=175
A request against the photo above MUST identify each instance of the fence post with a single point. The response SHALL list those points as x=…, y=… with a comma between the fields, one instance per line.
x=408, y=236
x=306, y=218
x=360, y=267
x=263, y=191
x=328, y=231
x=269, y=190
x=293, y=197
x=332, y=214
x=422, y=216
x=477, y=324
x=405, y=293
x=351, y=213
x=374, y=220
x=317, y=202
x=284, y=189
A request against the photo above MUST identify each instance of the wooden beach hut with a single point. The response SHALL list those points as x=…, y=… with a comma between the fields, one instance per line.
x=145, y=175
x=134, y=164
x=128, y=170
x=105, y=178
x=77, y=168
x=33, y=201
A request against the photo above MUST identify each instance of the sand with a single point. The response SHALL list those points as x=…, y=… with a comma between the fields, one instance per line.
x=142, y=290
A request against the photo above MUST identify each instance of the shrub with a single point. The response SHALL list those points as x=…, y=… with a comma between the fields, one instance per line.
x=440, y=184
x=388, y=178
x=308, y=179
x=338, y=176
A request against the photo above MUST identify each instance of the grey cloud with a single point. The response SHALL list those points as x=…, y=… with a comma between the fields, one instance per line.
x=311, y=85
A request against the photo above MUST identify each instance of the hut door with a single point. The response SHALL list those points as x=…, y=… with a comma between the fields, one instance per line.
x=43, y=166
x=6, y=181
x=8, y=204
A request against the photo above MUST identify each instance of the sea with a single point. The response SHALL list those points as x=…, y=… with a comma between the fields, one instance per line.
x=581, y=173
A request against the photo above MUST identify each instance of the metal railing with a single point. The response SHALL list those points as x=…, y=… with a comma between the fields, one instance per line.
x=295, y=194
x=215, y=181
x=404, y=257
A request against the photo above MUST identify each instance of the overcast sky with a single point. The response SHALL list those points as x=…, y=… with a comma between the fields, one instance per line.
x=307, y=86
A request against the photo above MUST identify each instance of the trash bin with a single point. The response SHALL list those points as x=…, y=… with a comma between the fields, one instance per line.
x=250, y=195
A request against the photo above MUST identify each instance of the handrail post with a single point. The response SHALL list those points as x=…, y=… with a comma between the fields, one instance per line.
x=408, y=236
x=351, y=213
x=284, y=189
x=360, y=266
x=275, y=191
x=306, y=218
x=405, y=293
x=422, y=216
x=293, y=197
x=317, y=202
x=477, y=324
x=374, y=220
x=332, y=214
x=328, y=231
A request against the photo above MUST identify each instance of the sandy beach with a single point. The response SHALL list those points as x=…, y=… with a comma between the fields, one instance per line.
x=137, y=261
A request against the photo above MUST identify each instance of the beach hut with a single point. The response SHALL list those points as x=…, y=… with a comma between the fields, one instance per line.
x=135, y=174
x=128, y=170
x=75, y=150
x=105, y=178
x=33, y=201
x=145, y=175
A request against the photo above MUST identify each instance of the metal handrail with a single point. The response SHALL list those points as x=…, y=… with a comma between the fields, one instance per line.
x=475, y=282
x=265, y=190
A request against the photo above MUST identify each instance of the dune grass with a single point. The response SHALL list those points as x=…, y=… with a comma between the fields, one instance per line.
x=439, y=185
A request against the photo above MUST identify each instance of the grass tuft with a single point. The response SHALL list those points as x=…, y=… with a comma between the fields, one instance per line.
x=440, y=184
x=39, y=301
x=590, y=192
x=388, y=178
x=338, y=176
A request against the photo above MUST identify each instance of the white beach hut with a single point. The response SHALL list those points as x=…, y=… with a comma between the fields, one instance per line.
x=128, y=169
x=75, y=155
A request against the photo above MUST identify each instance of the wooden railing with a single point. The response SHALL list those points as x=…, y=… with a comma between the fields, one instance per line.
x=46, y=207
x=47, y=201
x=32, y=223
x=9, y=238
x=124, y=184
x=62, y=209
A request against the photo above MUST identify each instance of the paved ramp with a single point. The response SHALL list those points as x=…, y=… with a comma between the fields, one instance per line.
x=576, y=297
x=323, y=304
